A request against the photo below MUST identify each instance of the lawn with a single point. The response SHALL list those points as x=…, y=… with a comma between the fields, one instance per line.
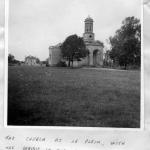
x=45, y=96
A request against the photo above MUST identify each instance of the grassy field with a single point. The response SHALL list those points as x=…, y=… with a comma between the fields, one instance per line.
x=73, y=97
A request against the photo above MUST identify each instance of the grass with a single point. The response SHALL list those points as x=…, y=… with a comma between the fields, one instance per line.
x=73, y=97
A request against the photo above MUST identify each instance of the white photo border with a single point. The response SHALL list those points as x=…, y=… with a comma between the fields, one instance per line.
x=70, y=128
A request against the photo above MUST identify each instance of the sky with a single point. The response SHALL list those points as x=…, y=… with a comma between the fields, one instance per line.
x=34, y=25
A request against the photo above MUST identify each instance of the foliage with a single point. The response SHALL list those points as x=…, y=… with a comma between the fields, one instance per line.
x=37, y=60
x=46, y=62
x=61, y=64
x=11, y=58
x=73, y=48
x=126, y=43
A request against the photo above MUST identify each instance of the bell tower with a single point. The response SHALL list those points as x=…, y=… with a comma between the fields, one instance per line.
x=88, y=34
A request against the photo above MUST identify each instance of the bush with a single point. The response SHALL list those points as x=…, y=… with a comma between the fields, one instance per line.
x=47, y=65
x=61, y=64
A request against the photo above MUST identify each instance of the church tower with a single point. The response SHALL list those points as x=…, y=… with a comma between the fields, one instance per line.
x=88, y=34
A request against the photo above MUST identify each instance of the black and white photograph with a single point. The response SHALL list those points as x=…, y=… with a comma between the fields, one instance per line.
x=74, y=63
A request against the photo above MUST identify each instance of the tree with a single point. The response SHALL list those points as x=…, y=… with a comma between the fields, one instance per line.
x=11, y=58
x=126, y=43
x=73, y=48
x=37, y=60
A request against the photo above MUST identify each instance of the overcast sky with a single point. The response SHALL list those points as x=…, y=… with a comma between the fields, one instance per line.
x=34, y=25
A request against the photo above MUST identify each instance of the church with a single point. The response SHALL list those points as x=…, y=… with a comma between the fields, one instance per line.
x=95, y=48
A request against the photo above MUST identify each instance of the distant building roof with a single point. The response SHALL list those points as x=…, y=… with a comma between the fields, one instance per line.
x=30, y=57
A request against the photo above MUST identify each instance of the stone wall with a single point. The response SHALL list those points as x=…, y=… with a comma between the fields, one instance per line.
x=54, y=55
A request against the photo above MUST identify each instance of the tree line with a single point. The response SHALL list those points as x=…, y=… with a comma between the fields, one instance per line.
x=12, y=60
x=126, y=43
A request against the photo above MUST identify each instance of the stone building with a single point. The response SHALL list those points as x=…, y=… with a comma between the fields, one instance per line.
x=31, y=61
x=95, y=47
x=54, y=55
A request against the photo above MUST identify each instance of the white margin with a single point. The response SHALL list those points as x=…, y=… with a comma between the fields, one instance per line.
x=71, y=128
x=6, y=61
x=142, y=67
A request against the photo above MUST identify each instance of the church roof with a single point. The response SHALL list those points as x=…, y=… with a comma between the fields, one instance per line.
x=88, y=19
x=94, y=43
x=98, y=42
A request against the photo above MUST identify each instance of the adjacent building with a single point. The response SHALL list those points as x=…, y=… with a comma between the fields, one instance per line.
x=31, y=60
